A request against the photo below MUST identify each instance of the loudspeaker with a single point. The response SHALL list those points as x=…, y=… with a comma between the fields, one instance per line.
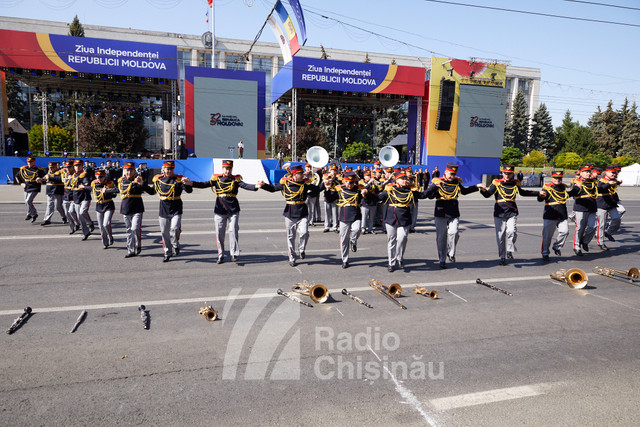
x=165, y=110
x=300, y=113
x=445, y=104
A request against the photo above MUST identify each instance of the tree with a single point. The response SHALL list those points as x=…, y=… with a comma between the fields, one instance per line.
x=16, y=101
x=581, y=141
x=564, y=131
x=630, y=138
x=568, y=160
x=511, y=156
x=624, y=160
x=323, y=53
x=106, y=134
x=59, y=139
x=608, y=131
x=75, y=28
x=307, y=137
x=516, y=132
x=597, y=159
x=542, y=135
x=358, y=151
x=394, y=122
x=534, y=159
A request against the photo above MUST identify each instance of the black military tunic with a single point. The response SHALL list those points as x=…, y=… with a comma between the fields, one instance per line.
x=446, y=194
x=226, y=190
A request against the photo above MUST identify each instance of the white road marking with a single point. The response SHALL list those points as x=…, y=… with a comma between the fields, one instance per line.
x=407, y=395
x=489, y=396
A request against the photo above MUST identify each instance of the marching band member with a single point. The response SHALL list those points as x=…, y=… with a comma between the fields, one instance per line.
x=81, y=185
x=30, y=178
x=54, y=191
x=67, y=196
x=169, y=186
x=226, y=209
x=398, y=198
x=585, y=208
x=130, y=188
x=607, y=207
x=350, y=195
x=413, y=181
x=105, y=208
x=447, y=215
x=312, y=197
x=296, y=215
x=330, y=180
x=505, y=211
x=370, y=202
x=616, y=197
x=555, y=217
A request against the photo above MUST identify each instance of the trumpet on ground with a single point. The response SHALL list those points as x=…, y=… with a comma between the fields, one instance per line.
x=574, y=278
x=631, y=276
x=318, y=293
x=391, y=292
x=425, y=292
x=208, y=312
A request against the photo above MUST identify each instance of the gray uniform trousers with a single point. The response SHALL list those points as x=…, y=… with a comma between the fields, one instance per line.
x=311, y=206
x=396, y=242
x=368, y=214
x=220, y=222
x=317, y=217
x=82, y=210
x=414, y=214
x=70, y=211
x=585, y=228
x=330, y=215
x=506, y=234
x=301, y=227
x=133, y=223
x=603, y=226
x=170, y=232
x=54, y=203
x=548, y=229
x=104, y=224
x=28, y=200
x=349, y=233
x=446, y=236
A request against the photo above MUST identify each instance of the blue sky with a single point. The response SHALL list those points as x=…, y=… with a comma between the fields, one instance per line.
x=583, y=64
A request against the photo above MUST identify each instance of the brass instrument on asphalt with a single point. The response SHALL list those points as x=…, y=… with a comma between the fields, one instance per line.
x=631, y=276
x=208, y=312
x=425, y=292
x=83, y=315
x=495, y=288
x=16, y=323
x=318, y=293
x=574, y=278
x=355, y=298
x=293, y=298
x=392, y=292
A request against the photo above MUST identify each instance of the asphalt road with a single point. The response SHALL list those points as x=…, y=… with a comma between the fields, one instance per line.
x=548, y=355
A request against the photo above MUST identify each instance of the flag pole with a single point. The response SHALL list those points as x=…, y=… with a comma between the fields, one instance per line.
x=213, y=35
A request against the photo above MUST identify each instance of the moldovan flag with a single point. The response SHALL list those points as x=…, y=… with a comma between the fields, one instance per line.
x=284, y=46
x=288, y=27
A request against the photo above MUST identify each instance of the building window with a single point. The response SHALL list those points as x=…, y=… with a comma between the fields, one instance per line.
x=204, y=59
x=262, y=63
x=235, y=62
x=280, y=63
x=524, y=85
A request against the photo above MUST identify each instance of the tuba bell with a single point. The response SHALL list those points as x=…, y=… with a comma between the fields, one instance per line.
x=318, y=293
x=388, y=156
x=208, y=312
x=317, y=156
x=574, y=278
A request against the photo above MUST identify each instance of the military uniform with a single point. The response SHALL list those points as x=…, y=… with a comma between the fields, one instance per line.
x=585, y=208
x=30, y=177
x=330, y=197
x=132, y=208
x=169, y=189
x=105, y=208
x=67, y=196
x=226, y=209
x=505, y=211
x=54, y=191
x=312, y=197
x=370, y=202
x=447, y=215
x=397, y=201
x=81, y=186
x=296, y=213
x=555, y=216
x=349, y=215
x=608, y=216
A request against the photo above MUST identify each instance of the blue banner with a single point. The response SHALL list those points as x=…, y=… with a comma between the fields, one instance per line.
x=297, y=11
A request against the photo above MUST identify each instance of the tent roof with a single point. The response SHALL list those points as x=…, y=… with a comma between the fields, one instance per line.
x=16, y=126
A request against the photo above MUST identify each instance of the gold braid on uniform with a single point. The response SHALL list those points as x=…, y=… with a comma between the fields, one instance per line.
x=73, y=182
x=559, y=197
x=400, y=201
x=444, y=194
x=291, y=196
x=28, y=175
x=169, y=194
x=97, y=194
x=612, y=190
x=223, y=187
x=593, y=187
x=124, y=193
x=351, y=201
x=509, y=196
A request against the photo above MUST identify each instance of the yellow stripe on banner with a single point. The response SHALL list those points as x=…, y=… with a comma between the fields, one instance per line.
x=45, y=44
x=391, y=74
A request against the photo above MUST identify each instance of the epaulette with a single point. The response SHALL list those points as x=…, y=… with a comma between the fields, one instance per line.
x=496, y=181
x=436, y=181
x=361, y=186
x=82, y=175
x=518, y=183
x=575, y=180
x=238, y=178
x=215, y=177
x=548, y=185
x=179, y=178
x=307, y=181
x=157, y=177
x=95, y=181
x=389, y=186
